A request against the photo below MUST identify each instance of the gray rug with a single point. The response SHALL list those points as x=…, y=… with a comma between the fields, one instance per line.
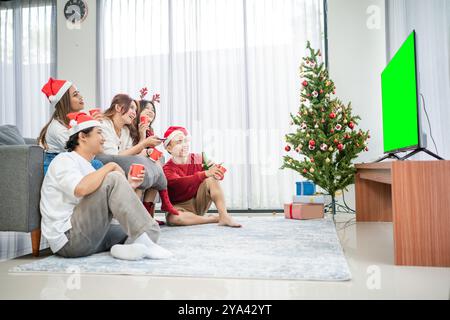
x=265, y=248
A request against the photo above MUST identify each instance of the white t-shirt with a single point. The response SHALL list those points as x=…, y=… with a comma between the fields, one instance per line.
x=114, y=144
x=56, y=137
x=58, y=198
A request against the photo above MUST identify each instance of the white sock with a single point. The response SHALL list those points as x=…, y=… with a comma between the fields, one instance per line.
x=153, y=251
x=134, y=251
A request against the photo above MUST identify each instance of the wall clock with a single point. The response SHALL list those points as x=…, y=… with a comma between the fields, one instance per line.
x=75, y=11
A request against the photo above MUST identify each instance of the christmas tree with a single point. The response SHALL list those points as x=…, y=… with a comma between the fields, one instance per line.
x=326, y=139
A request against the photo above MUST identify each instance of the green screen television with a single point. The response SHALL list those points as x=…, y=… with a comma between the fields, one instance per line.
x=401, y=129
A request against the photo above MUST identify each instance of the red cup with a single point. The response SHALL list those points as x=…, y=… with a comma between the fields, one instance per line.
x=155, y=155
x=144, y=120
x=223, y=171
x=92, y=112
x=136, y=169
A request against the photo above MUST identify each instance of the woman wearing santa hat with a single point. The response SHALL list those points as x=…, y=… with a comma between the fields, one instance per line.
x=65, y=98
x=125, y=146
x=78, y=202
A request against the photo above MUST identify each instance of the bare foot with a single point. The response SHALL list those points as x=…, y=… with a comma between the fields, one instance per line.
x=229, y=222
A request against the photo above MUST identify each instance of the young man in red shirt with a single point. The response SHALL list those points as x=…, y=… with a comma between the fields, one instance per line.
x=191, y=188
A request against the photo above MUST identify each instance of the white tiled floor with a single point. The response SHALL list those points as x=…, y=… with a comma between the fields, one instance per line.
x=368, y=248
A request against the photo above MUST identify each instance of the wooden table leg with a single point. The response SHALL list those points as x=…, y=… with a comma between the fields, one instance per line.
x=36, y=241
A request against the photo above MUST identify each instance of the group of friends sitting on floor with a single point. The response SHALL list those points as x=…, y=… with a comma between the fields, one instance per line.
x=93, y=199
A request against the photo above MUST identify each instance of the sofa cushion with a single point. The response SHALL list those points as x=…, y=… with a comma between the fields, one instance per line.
x=10, y=135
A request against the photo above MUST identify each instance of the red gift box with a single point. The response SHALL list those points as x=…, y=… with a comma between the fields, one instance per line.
x=303, y=211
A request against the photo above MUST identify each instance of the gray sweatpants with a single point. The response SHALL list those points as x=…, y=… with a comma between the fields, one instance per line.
x=154, y=175
x=91, y=229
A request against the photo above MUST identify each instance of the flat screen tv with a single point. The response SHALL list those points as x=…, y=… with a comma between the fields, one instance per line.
x=401, y=130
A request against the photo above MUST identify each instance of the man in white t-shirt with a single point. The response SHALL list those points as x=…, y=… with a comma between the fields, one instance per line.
x=78, y=202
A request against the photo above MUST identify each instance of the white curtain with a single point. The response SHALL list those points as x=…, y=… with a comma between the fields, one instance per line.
x=431, y=20
x=225, y=69
x=27, y=52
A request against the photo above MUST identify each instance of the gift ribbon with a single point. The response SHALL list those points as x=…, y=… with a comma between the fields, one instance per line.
x=290, y=211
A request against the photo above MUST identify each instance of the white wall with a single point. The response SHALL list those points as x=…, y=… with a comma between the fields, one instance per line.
x=76, y=52
x=357, y=56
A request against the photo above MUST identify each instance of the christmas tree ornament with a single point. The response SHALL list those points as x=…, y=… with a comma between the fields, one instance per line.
x=330, y=149
x=316, y=126
x=287, y=148
x=338, y=127
x=340, y=146
x=327, y=160
x=305, y=83
x=332, y=115
x=323, y=147
x=312, y=170
x=315, y=94
x=298, y=150
x=312, y=143
x=351, y=125
x=312, y=148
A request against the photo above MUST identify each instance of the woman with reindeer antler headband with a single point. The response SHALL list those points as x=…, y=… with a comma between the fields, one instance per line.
x=126, y=145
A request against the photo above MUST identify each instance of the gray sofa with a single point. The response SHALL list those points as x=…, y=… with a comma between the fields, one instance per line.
x=21, y=176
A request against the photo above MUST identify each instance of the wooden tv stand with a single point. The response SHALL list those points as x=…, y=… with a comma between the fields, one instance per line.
x=415, y=196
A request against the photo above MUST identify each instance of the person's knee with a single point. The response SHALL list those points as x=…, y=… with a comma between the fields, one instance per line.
x=115, y=177
x=212, y=182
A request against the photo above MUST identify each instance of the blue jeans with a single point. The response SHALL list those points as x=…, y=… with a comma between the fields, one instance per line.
x=48, y=157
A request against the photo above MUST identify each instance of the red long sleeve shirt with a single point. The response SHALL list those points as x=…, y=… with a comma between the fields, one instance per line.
x=183, y=180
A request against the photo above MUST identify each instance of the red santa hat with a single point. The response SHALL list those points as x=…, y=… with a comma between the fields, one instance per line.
x=80, y=121
x=172, y=132
x=54, y=89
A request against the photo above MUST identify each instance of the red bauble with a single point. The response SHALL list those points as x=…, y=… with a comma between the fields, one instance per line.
x=366, y=149
x=332, y=115
x=332, y=131
x=305, y=83
x=287, y=148
x=340, y=146
x=336, y=141
x=351, y=125
x=305, y=171
x=312, y=143
x=312, y=159
x=321, y=91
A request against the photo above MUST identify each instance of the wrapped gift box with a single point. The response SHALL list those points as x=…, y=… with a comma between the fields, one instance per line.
x=305, y=188
x=309, y=199
x=303, y=211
